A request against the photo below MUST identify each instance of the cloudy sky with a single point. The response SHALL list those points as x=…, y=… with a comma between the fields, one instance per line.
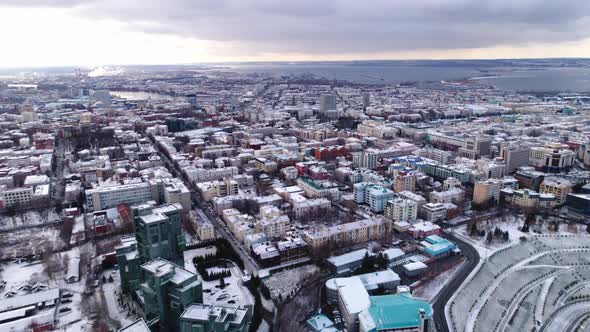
x=99, y=32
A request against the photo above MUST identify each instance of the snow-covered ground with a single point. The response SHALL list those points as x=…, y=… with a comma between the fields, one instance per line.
x=518, y=288
x=29, y=218
x=30, y=241
x=233, y=294
x=510, y=223
x=287, y=282
x=199, y=252
x=264, y=327
x=430, y=289
x=112, y=292
x=28, y=277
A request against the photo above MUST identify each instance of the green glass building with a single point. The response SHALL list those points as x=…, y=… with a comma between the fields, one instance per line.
x=158, y=233
x=167, y=290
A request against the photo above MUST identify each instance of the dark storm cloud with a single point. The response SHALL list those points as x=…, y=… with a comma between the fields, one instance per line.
x=347, y=26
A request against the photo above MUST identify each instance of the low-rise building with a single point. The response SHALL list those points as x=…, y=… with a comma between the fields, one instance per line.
x=214, y=318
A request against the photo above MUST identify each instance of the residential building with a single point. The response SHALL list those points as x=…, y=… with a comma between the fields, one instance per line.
x=400, y=209
x=349, y=233
x=433, y=212
x=367, y=159
x=374, y=195
x=560, y=188
x=486, y=191
x=405, y=181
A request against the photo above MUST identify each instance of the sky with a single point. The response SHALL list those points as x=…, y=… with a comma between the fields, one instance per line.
x=37, y=33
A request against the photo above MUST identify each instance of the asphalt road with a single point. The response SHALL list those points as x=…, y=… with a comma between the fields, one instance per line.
x=202, y=210
x=471, y=260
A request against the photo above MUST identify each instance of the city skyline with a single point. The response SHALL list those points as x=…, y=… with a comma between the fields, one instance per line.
x=79, y=33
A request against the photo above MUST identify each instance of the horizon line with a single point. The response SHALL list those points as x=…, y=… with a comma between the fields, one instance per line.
x=291, y=61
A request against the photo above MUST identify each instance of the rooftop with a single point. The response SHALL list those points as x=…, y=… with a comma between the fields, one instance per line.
x=394, y=312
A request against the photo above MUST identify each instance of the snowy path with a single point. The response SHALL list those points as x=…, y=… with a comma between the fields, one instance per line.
x=541, y=299
x=566, y=317
x=515, y=302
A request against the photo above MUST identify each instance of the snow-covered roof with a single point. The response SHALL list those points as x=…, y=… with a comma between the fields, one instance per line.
x=351, y=257
x=137, y=326
x=415, y=266
x=353, y=294
x=29, y=299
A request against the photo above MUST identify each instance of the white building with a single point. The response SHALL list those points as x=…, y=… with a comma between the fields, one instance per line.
x=108, y=197
x=401, y=209
x=434, y=212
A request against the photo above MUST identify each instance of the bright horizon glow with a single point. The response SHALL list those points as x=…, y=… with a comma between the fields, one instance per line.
x=55, y=37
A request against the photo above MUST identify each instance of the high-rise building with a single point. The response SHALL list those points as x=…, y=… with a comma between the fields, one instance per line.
x=486, y=191
x=159, y=234
x=366, y=99
x=401, y=210
x=367, y=159
x=167, y=290
x=191, y=99
x=405, y=182
x=129, y=264
x=372, y=194
x=514, y=156
x=327, y=102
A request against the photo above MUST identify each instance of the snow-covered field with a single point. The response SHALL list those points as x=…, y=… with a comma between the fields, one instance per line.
x=287, y=282
x=26, y=242
x=29, y=218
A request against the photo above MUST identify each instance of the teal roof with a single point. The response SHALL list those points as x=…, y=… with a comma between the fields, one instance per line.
x=436, y=245
x=397, y=311
x=434, y=239
x=321, y=323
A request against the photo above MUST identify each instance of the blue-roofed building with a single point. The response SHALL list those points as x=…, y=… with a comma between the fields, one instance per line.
x=436, y=246
x=321, y=323
x=399, y=312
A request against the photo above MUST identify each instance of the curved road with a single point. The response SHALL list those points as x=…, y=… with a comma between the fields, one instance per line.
x=471, y=260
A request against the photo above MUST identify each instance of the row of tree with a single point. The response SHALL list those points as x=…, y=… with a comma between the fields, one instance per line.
x=372, y=263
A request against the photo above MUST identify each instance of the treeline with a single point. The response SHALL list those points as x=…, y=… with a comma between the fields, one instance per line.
x=253, y=284
x=374, y=263
x=224, y=251
x=202, y=264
